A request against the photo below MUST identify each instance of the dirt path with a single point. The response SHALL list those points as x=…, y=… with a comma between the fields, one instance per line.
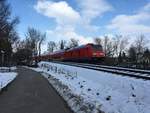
x=31, y=93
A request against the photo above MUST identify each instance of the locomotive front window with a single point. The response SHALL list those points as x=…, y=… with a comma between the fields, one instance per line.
x=97, y=47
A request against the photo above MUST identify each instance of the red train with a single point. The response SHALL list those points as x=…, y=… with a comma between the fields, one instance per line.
x=88, y=52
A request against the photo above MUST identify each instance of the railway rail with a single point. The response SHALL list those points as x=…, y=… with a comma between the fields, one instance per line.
x=136, y=73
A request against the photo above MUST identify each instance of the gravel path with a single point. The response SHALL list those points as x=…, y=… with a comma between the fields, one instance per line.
x=31, y=93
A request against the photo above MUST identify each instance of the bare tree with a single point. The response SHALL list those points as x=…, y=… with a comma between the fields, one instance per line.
x=140, y=43
x=116, y=44
x=62, y=44
x=19, y=45
x=108, y=46
x=98, y=41
x=51, y=46
x=119, y=44
x=73, y=43
x=42, y=38
x=34, y=40
x=123, y=44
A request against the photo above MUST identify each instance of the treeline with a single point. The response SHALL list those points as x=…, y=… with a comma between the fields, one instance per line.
x=8, y=34
x=126, y=51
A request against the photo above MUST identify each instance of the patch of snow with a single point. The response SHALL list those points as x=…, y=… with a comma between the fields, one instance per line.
x=103, y=91
x=6, y=78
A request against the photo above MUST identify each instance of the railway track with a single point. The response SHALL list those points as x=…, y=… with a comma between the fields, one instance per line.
x=136, y=73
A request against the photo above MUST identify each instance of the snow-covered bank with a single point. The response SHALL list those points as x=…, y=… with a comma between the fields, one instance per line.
x=6, y=78
x=6, y=69
x=92, y=91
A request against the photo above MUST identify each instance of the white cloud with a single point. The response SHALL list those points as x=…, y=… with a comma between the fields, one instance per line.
x=146, y=8
x=66, y=34
x=132, y=24
x=61, y=11
x=90, y=9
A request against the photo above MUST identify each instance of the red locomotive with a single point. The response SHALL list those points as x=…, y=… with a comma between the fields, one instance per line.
x=88, y=52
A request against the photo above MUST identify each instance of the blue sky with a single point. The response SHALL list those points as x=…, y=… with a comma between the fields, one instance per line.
x=82, y=19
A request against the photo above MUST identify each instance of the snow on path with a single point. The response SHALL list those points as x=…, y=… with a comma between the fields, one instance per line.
x=6, y=78
x=111, y=93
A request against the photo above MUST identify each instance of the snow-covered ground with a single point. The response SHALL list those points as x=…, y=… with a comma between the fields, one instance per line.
x=7, y=77
x=103, y=91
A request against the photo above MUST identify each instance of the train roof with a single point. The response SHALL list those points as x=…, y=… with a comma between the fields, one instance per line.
x=82, y=46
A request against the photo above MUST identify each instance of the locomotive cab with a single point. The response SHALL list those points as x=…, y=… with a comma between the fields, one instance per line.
x=97, y=52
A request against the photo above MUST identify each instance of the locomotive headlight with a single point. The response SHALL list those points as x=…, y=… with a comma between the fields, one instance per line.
x=94, y=54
